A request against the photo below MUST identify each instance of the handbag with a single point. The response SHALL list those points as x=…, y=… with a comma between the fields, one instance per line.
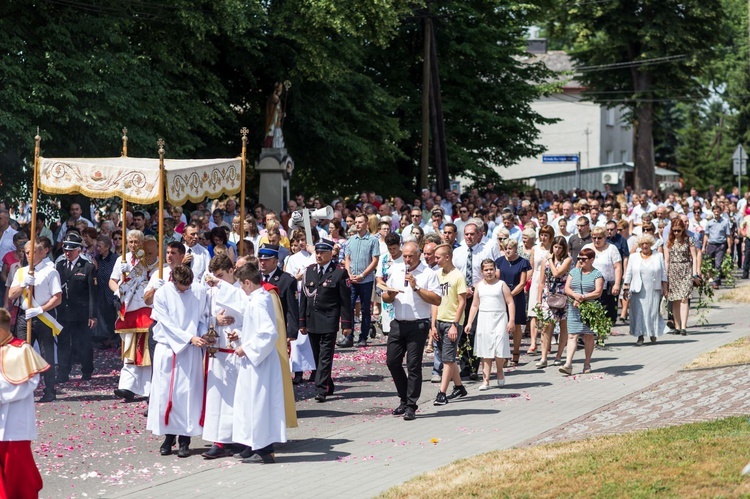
x=557, y=300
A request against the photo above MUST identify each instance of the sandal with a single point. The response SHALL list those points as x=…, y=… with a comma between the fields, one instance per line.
x=514, y=361
x=533, y=351
x=566, y=370
x=586, y=369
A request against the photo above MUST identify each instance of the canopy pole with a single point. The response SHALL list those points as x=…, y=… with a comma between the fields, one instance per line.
x=160, y=143
x=241, y=246
x=123, y=244
x=35, y=192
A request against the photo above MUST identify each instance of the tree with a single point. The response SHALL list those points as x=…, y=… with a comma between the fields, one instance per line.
x=637, y=53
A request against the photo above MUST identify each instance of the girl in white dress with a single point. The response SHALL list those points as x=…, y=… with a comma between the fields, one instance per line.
x=496, y=320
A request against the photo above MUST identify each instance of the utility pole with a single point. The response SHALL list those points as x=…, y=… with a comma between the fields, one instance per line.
x=587, y=132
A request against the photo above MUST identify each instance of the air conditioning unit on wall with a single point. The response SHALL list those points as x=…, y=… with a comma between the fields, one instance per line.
x=610, y=178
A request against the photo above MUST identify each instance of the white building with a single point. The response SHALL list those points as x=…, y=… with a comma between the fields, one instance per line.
x=599, y=134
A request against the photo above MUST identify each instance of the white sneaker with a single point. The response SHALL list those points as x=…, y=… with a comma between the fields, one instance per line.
x=484, y=387
x=436, y=378
x=501, y=383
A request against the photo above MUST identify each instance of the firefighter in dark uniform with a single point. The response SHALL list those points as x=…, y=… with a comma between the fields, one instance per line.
x=268, y=263
x=78, y=311
x=325, y=301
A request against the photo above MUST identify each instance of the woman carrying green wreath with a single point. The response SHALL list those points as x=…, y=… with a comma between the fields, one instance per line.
x=584, y=284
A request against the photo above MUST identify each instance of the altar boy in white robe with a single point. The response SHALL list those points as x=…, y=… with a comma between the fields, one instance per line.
x=259, y=419
x=227, y=303
x=176, y=402
x=20, y=367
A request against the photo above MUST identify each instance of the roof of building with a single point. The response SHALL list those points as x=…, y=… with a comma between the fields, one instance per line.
x=519, y=172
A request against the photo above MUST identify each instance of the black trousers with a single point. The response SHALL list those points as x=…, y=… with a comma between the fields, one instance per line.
x=42, y=334
x=407, y=338
x=323, y=346
x=609, y=301
x=76, y=336
x=108, y=316
x=746, y=258
x=469, y=363
x=716, y=252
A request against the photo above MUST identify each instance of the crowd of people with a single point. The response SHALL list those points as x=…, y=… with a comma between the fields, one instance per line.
x=464, y=277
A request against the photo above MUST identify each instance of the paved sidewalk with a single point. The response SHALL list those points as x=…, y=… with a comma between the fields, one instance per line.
x=357, y=448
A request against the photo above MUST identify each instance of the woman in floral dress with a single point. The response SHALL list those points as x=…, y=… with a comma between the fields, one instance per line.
x=682, y=260
x=553, y=273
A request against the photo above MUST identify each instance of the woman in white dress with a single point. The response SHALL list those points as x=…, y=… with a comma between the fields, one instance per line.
x=646, y=282
x=539, y=253
x=496, y=311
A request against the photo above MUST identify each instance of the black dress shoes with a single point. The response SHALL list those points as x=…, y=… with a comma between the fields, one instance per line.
x=184, y=449
x=166, y=447
x=246, y=452
x=48, y=397
x=260, y=459
x=346, y=342
x=215, y=451
x=124, y=394
x=399, y=411
x=297, y=379
x=320, y=397
x=409, y=414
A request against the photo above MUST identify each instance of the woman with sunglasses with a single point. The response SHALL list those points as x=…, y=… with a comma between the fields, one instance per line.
x=683, y=264
x=585, y=283
x=649, y=229
x=646, y=282
x=608, y=261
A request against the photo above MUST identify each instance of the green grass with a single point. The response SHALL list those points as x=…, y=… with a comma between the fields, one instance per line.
x=693, y=460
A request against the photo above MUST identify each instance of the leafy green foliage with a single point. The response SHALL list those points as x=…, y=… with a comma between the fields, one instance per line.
x=638, y=53
x=595, y=317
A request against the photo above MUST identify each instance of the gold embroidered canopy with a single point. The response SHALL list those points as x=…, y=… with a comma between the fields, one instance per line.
x=137, y=179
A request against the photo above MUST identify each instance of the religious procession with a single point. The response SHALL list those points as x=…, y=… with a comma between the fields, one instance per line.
x=355, y=243
x=219, y=313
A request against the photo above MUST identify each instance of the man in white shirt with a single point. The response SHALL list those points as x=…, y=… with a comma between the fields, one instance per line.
x=416, y=219
x=418, y=289
x=569, y=216
x=47, y=294
x=196, y=256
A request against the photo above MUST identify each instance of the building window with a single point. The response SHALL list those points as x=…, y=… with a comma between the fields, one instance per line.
x=610, y=157
x=611, y=116
x=624, y=156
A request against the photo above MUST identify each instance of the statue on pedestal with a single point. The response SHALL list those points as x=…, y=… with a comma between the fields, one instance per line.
x=275, y=115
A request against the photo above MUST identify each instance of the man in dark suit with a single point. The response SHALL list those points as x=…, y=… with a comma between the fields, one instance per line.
x=325, y=301
x=268, y=263
x=78, y=311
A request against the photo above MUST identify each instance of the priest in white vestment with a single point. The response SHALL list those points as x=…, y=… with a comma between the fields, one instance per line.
x=174, y=409
x=259, y=417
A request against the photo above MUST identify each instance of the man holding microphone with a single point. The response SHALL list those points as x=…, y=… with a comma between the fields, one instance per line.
x=412, y=289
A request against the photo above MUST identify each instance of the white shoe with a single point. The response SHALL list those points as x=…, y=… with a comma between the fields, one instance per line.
x=501, y=383
x=484, y=387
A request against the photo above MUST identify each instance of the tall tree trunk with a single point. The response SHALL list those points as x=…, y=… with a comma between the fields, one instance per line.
x=644, y=171
x=643, y=158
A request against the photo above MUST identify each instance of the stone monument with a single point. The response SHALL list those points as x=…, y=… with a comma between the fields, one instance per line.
x=274, y=165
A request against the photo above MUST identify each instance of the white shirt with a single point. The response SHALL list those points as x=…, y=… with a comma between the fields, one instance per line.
x=154, y=279
x=606, y=260
x=201, y=257
x=460, y=256
x=409, y=306
x=6, y=242
x=572, y=228
x=46, y=284
x=636, y=215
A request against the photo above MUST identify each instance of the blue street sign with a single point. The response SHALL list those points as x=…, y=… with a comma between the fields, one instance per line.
x=560, y=158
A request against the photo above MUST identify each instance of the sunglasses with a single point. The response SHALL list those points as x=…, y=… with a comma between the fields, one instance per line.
x=596, y=238
x=463, y=211
x=582, y=258
x=677, y=231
